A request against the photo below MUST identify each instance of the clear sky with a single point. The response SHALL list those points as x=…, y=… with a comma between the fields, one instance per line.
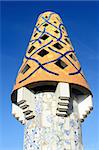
x=17, y=22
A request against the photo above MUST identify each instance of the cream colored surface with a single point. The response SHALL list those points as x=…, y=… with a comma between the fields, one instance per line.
x=85, y=107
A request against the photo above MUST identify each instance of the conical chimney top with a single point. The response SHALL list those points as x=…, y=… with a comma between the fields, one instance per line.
x=50, y=58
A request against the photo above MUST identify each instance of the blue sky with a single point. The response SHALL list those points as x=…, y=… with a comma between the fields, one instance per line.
x=17, y=22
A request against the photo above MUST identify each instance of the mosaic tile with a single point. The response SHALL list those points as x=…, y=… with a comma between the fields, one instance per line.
x=56, y=134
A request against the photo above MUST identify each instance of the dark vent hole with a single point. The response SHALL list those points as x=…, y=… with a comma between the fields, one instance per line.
x=43, y=52
x=56, y=31
x=67, y=41
x=54, y=21
x=35, y=34
x=45, y=25
x=63, y=28
x=25, y=68
x=73, y=57
x=44, y=37
x=61, y=64
x=31, y=49
x=58, y=46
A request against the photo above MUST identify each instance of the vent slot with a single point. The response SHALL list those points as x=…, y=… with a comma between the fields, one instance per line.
x=56, y=31
x=45, y=25
x=73, y=57
x=26, y=68
x=43, y=52
x=31, y=49
x=61, y=64
x=35, y=34
x=58, y=46
x=55, y=22
x=67, y=40
x=44, y=37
